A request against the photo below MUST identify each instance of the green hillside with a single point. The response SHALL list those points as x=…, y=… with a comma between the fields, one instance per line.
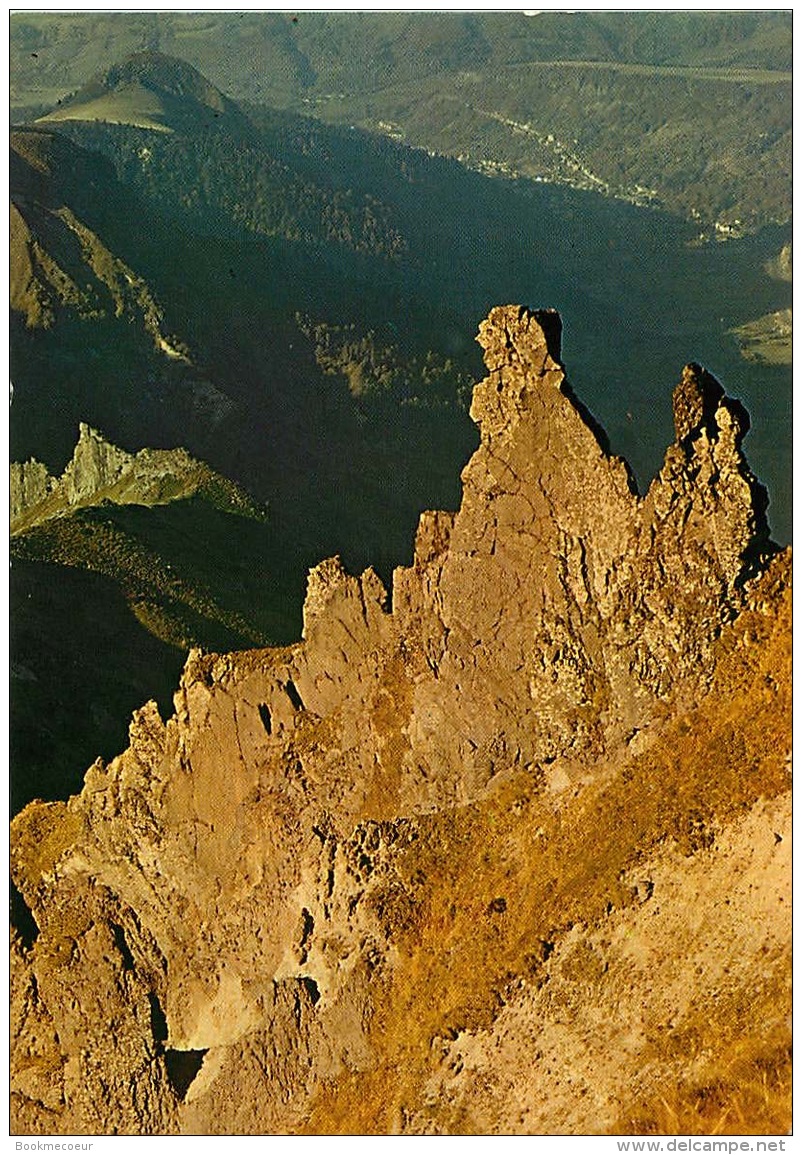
x=319, y=50
x=347, y=229
x=152, y=91
x=693, y=108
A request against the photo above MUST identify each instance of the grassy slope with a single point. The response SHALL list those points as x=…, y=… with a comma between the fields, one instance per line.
x=134, y=105
x=185, y=561
x=768, y=340
x=558, y=866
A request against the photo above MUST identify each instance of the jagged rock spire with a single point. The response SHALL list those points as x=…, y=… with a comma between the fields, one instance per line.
x=244, y=875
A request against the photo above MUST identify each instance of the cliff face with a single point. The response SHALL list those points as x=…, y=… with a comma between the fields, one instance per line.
x=509, y=854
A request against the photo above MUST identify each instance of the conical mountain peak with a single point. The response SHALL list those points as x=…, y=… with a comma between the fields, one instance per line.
x=151, y=90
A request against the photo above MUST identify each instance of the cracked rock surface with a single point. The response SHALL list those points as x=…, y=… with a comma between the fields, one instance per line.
x=503, y=849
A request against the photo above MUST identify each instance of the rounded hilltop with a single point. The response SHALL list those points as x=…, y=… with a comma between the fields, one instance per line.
x=150, y=90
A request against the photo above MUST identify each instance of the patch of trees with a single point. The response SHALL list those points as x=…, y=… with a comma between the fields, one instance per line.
x=232, y=186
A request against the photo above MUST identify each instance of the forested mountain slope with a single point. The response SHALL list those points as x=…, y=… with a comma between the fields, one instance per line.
x=689, y=110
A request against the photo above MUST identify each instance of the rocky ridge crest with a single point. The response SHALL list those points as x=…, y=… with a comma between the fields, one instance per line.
x=99, y=471
x=344, y=872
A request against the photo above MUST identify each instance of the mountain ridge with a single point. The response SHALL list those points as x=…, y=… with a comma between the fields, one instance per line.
x=98, y=471
x=467, y=809
x=52, y=249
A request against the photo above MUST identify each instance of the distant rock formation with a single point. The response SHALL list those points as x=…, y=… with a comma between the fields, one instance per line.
x=506, y=853
x=781, y=267
x=99, y=471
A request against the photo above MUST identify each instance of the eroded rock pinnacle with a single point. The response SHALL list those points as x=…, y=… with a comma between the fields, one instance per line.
x=274, y=875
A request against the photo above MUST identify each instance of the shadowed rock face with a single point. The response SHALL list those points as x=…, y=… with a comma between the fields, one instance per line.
x=283, y=869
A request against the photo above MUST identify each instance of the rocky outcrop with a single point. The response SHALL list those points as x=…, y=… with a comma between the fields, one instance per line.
x=99, y=471
x=430, y=869
x=95, y=465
